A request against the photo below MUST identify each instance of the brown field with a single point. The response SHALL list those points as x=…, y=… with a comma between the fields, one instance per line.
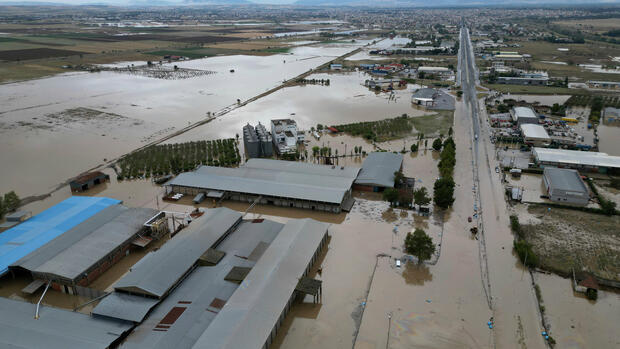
x=578, y=53
x=594, y=25
x=36, y=53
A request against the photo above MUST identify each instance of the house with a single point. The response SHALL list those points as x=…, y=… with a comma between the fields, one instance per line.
x=565, y=186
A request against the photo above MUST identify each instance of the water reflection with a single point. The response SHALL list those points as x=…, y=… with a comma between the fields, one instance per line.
x=416, y=274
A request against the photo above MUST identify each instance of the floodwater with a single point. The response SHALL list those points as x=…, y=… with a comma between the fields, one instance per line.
x=345, y=100
x=575, y=321
x=609, y=139
x=39, y=154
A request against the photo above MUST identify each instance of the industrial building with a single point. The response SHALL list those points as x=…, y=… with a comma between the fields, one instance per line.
x=32, y=234
x=222, y=282
x=55, y=328
x=286, y=135
x=535, y=135
x=425, y=97
x=257, y=141
x=88, y=180
x=274, y=182
x=377, y=171
x=81, y=254
x=13, y=219
x=579, y=160
x=523, y=115
x=535, y=78
x=565, y=186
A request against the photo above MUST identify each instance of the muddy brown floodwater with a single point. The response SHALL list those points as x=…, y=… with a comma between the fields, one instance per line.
x=147, y=109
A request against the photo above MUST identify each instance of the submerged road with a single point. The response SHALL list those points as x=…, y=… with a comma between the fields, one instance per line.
x=507, y=285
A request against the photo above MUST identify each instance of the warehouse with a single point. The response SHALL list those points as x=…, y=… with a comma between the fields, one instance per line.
x=88, y=180
x=189, y=294
x=565, y=186
x=535, y=135
x=25, y=238
x=377, y=172
x=523, y=115
x=579, y=160
x=275, y=182
x=55, y=328
x=83, y=253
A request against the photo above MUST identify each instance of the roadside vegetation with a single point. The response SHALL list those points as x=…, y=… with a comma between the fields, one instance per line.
x=443, y=189
x=166, y=159
x=9, y=203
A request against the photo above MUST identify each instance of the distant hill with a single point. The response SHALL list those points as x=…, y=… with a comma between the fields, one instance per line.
x=218, y=2
x=440, y=3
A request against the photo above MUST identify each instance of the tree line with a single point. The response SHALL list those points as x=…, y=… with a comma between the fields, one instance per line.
x=378, y=130
x=165, y=159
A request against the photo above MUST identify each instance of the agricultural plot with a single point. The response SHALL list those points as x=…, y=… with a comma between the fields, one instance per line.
x=402, y=126
x=165, y=159
x=36, y=53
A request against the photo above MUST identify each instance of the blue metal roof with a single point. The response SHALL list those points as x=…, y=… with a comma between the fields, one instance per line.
x=25, y=238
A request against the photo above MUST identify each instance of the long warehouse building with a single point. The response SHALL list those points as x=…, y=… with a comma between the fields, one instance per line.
x=276, y=182
x=222, y=282
x=585, y=161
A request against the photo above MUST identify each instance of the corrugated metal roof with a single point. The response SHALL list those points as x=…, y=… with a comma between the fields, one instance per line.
x=564, y=179
x=125, y=306
x=253, y=310
x=275, y=178
x=534, y=131
x=55, y=328
x=576, y=157
x=378, y=169
x=76, y=251
x=23, y=239
x=198, y=291
x=159, y=271
x=523, y=112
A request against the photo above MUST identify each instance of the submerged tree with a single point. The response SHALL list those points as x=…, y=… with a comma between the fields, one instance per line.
x=11, y=201
x=421, y=197
x=420, y=245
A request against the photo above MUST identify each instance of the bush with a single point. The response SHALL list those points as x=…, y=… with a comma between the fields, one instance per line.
x=592, y=294
x=414, y=147
x=437, y=144
x=525, y=253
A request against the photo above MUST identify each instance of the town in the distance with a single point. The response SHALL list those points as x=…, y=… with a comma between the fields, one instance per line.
x=287, y=174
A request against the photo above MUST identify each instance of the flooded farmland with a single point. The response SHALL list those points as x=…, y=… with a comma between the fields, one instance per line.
x=150, y=108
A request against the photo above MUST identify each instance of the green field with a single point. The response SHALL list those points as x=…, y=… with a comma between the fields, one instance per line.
x=536, y=90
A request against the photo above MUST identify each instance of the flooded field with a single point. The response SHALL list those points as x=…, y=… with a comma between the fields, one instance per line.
x=576, y=322
x=345, y=100
x=151, y=108
x=609, y=139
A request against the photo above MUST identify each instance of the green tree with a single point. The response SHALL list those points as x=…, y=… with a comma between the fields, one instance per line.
x=608, y=206
x=426, y=144
x=414, y=147
x=319, y=127
x=398, y=178
x=315, y=150
x=450, y=132
x=390, y=195
x=443, y=195
x=420, y=245
x=437, y=144
x=525, y=253
x=2, y=208
x=11, y=201
x=420, y=197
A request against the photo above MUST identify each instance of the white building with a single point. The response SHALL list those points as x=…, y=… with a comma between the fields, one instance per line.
x=523, y=115
x=285, y=135
x=535, y=135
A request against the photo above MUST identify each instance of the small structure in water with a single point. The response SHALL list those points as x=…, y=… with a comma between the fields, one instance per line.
x=88, y=180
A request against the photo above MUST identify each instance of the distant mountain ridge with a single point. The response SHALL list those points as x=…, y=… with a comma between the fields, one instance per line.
x=443, y=3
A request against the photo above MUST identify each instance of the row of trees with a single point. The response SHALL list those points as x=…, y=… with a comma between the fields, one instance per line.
x=176, y=158
x=324, y=82
x=443, y=194
x=9, y=203
x=379, y=130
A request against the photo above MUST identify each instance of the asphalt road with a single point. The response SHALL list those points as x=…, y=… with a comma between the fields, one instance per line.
x=507, y=285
